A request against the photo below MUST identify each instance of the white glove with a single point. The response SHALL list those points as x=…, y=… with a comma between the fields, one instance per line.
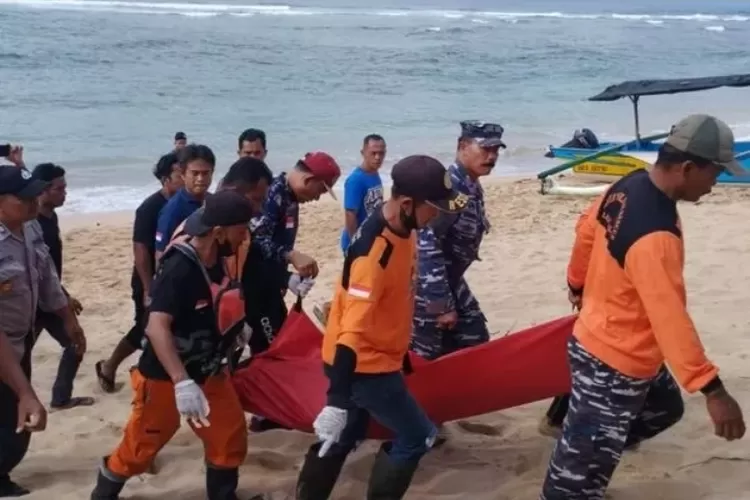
x=328, y=426
x=192, y=403
x=300, y=286
x=243, y=338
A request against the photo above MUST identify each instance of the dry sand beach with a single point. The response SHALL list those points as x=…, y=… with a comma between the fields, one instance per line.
x=519, y=282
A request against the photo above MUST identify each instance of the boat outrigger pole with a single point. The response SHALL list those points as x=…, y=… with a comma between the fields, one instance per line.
x=634, y=100
x=596, y=154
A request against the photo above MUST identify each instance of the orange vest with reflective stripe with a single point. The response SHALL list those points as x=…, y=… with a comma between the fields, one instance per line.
x=228, y=299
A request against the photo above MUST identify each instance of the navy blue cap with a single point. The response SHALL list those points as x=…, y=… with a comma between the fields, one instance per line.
x=487, y=135
x=18, y=181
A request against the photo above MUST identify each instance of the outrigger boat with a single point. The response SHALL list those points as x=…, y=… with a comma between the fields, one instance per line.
x=589, y=158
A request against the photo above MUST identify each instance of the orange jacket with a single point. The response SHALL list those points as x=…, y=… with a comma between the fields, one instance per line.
x=372, y=309
x=628, y=260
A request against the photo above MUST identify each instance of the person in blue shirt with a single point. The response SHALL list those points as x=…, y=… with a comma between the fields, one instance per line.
x=197, y=163
x=363, y=189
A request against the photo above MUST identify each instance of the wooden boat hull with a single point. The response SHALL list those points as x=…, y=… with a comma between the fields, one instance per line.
x=622, y=163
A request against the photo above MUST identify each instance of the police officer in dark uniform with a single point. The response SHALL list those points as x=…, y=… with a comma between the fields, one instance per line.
x=447, y=316
x=27, y=280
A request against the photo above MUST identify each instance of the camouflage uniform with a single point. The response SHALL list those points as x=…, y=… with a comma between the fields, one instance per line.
x=275, y=231
x=446, y=250
x=608, y=411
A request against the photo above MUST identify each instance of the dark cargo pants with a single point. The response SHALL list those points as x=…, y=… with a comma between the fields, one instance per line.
x=62, y=389
x=608, y=411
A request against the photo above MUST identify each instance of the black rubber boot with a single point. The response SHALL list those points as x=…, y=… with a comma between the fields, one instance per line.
x=221, y=484
x=390, y=480
x=9, y=489
x=106, y=488
x=318, y=475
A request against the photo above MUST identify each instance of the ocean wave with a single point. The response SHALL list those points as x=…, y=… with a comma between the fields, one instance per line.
x=718, y=28
x=197, y=9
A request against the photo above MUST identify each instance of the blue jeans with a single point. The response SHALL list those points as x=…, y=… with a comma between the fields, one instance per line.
x=386, y=399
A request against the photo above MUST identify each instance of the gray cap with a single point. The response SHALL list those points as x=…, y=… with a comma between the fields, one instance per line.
x=706, y=137
x=487, y=135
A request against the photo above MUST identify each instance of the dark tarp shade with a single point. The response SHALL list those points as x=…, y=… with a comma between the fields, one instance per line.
x=637, y=88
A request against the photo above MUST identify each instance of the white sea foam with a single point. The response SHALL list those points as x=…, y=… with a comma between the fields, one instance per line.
x=188, y=8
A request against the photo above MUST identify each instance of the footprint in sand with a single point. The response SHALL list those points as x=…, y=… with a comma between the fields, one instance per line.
x=479, y=428
x=271, y=461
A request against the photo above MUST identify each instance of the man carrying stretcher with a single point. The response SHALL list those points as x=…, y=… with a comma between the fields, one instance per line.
x=180, y=373
x=367, y=339
x=625, y=272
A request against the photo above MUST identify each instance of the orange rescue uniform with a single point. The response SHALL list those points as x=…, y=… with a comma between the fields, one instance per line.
x=628, y=261
x=372, y=308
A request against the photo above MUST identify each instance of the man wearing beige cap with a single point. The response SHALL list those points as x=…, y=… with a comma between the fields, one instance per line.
x=625, y=275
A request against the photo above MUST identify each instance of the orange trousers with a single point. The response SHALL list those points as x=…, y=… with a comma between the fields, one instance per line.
x=155, y=419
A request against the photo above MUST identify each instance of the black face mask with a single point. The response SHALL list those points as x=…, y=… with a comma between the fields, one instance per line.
x=225, y=249
x=408, y=220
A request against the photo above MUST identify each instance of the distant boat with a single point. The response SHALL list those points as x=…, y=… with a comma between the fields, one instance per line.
x=588, y=157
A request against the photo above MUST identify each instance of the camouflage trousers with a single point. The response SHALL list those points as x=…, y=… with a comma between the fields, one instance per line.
x=431, y=342
x=607, y=412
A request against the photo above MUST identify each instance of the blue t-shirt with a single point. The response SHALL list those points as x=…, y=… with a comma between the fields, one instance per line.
x=363, y=192
x=178, y=208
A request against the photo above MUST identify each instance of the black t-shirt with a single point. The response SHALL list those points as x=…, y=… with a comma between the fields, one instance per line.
x=144, y=232
x=51, y=232
x=180, y=290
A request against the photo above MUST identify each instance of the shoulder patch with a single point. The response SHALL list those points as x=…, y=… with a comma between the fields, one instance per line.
x=633, y=208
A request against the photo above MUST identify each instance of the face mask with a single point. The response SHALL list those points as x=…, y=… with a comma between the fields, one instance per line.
x=408, y=220
x=225, y=249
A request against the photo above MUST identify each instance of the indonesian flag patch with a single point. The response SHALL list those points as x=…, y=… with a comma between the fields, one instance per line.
x=359, y=291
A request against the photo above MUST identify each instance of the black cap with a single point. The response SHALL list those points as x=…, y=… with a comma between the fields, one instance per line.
x=19, y=182
x=180, y=136
x=487, y=135
x=425, y=179
x=225, y=208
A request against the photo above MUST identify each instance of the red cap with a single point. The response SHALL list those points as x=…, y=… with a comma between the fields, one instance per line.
x=324, y=167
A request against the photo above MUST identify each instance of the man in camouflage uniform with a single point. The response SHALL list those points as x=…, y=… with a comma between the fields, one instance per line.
x=447, y=316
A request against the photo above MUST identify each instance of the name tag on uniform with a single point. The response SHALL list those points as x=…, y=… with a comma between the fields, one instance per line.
x=289, y=222
x=6, y=287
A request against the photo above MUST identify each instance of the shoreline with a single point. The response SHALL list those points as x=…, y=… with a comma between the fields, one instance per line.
x=79, y=220
x=70, y=221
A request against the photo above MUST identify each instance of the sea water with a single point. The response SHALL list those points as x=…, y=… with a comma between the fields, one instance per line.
x=101, y=86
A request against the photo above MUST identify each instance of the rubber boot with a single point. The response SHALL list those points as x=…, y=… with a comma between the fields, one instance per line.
x=106, y=488
x=9, y=489
x=221, y=484
x=318, y=475
x=390, y=480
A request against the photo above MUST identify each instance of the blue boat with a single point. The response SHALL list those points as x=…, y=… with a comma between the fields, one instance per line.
x=587, y=156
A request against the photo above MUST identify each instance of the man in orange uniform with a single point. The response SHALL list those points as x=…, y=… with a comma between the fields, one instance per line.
x=367, y=338
x=180, y=373
x=625, y=273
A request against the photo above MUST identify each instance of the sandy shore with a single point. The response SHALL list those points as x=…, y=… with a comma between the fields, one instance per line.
x=519, y=282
